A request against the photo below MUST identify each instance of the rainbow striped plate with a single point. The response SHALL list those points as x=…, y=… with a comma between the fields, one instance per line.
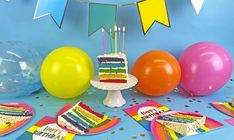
x=160, y=132
x=224, y=107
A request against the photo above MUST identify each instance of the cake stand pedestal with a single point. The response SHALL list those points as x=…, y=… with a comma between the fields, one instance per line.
x=114, y=96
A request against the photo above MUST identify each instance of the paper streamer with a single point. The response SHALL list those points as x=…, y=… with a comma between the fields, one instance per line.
x=197, y=4
x=101, y=16
x=54, y=8
x=153, y=11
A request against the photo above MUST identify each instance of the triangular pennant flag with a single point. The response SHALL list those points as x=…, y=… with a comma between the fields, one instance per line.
x=197, y=4
x=151, y=11
x=54, y=8
x=101, y=16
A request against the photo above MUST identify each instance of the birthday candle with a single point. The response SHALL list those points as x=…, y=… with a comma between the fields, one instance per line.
x=103, y=41
x=119, y=39
x=111, y=39
x=116, y=36
x=123, y=37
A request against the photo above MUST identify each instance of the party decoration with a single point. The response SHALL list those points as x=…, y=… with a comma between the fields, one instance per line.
x=14, y=116
x=197, y=4
x=82, y=120
x=66, y=72
x=206, y=67
x=160, y=132
x=46, y=129
x=151, y=11
x=230, y=121
x=145, y=112
x=54, y=8
x=158, y=73
x=101, y=16
x=224, y=107
x=19, y=69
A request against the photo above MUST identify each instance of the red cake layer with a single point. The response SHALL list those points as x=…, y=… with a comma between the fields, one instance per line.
x=114, y=81
x=84, y=106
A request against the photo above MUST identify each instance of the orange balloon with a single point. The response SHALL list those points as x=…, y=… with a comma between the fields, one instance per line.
x=158, y=73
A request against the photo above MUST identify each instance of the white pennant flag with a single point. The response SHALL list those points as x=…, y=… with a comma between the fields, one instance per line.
x=197, y=4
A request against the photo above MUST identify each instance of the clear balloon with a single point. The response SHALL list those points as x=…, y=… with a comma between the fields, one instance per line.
x=19, y=69
x=205, y=67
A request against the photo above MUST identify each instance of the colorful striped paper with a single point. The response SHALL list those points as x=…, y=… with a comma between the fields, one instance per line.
x=142, y=120
x=47, y=129
x=224, y=107
x=160, y=132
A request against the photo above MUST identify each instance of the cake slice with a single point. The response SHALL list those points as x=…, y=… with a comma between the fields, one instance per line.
x=80, y=118
x=10, y=116
x=113, y=68
x=182, y=123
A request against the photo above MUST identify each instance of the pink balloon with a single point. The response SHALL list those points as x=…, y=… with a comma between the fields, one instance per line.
x=205, y=68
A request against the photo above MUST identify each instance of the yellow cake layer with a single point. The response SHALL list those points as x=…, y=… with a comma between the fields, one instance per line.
x=89, y=115
x=112, y=76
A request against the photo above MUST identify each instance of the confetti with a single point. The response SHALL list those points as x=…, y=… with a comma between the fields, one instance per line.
x=196, y=111
x=37, y=97
x=121, y=129
x=169, y=100
x=186, y=105
x=113, y=132
x=134, y=137
x=142, y=135
x=229, y=88
x=231, y=80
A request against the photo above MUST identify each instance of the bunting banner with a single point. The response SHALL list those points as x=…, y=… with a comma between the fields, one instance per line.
x=197, y=4
x=55, y=8
x=101, y=16
x=153, y=11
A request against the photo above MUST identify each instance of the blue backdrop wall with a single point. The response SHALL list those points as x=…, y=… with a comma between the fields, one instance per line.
x=214, y=23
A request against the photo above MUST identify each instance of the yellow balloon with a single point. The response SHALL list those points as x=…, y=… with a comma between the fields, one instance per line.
x=66, y=72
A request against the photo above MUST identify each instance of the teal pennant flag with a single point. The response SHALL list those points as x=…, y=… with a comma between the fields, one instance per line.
x=54, y=8
x=101, y=16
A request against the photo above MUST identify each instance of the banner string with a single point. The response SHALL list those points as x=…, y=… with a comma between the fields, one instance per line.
x=126, y=4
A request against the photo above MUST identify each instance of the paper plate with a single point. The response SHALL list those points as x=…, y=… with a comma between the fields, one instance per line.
x=160, y=132
x=224, y=107
x=8, y=127
x=96, y=130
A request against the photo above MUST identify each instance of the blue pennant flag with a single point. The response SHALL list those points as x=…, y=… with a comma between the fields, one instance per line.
x=54, y=8
x=101, y=16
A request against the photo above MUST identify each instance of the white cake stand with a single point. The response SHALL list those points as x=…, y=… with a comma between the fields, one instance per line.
x=114, y=96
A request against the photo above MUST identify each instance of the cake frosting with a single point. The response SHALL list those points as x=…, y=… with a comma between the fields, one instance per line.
x=183, y=124
x=113, y=68
x=80, y=118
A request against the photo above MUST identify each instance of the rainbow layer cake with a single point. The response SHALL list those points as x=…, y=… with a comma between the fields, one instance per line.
x=10, y=116
x=81, y=118
x=113, y=68
x=183, y=124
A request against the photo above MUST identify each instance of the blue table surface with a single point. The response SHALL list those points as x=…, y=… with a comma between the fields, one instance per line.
x=214, y=23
